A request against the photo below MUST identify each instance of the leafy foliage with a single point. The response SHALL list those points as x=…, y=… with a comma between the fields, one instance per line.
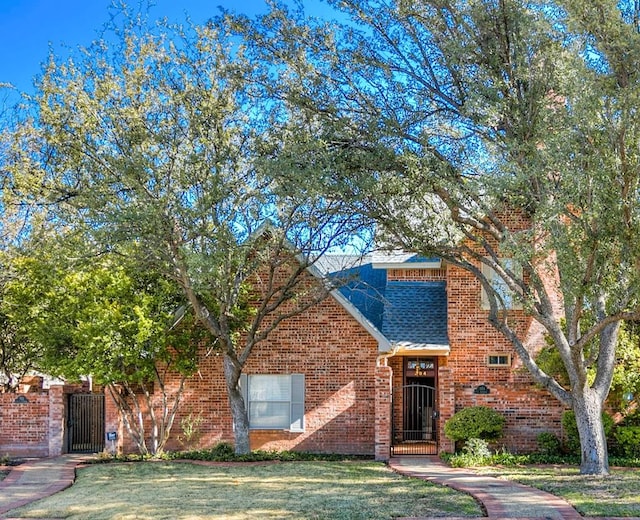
x=549, y=444
x=628, y=441
x=170, y=138
x=100, y=316
x=475, y=422
x=513, y=140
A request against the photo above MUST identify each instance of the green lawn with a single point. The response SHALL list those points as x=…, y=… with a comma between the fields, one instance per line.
x=616, y=495
x=300, y=490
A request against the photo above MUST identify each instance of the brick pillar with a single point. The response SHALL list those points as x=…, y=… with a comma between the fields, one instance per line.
x=56, y=420
x=446, y=406
x=383, y=413
x=113, y=423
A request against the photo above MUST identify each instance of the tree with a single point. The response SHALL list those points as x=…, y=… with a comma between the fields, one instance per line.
x=18, y=354
x=99, y=316
x=493, y=113
x=169, y=139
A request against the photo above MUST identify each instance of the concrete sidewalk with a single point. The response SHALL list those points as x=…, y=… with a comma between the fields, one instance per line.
x=500, y=498
x=37, y=479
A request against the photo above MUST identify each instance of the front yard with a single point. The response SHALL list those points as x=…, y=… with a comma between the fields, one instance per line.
x=616, y=495
x=300, y=490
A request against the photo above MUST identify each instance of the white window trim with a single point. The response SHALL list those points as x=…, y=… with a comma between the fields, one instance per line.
x=296, y=400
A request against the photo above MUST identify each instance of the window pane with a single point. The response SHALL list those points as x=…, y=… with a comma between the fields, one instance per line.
x=269, y=415
x=269, y=388
x=499, y=359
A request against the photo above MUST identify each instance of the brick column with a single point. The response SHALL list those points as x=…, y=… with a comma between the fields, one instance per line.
x=113, y=423
x=383, y=413
x=56, y=420
x=446, y=406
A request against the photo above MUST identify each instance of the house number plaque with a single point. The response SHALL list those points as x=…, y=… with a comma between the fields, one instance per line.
x=481, y=389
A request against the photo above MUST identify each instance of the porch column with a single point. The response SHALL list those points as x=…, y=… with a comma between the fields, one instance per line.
x=446, y=406
x=383, y=413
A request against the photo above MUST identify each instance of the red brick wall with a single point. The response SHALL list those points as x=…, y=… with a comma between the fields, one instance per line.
x=24, y=427
x=338, y=358
x=384, y=376
x=35, y=428
x=528, y=409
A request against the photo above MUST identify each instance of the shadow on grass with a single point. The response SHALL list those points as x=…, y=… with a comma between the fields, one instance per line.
x=301, y=490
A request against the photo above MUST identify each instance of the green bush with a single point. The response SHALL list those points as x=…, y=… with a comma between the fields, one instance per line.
x=224, y=452
x=628, y=439
x=633, y=419
x=549, y=444
x=572, y=437
x=477, y=448
x=474, y=453
x=475, y=422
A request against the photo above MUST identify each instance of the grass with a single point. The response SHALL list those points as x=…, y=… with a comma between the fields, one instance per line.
x=616, y=495
x=300, y=490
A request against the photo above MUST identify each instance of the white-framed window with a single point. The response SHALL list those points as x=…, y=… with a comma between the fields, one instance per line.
x=500, y=286
x=499, y=360
x=274, y=402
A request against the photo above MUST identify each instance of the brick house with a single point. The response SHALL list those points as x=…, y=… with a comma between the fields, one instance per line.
x=376, y=368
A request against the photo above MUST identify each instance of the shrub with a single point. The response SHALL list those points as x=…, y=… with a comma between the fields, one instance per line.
x=572, y=437
x=478, y=448
x=475, y=422
x=191, y=433
x=224, y=452
x=633, y=419
x=628, y=439
x=474, y=453
x=548, y=443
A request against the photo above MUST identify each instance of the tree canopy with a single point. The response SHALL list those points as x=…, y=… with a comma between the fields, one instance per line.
x=166, y=142
x=512, y=135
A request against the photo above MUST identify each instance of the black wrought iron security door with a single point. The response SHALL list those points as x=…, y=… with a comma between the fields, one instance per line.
x=414, y=421
x=85, y=423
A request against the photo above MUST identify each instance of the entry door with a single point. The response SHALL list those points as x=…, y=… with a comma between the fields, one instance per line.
x=85, y=423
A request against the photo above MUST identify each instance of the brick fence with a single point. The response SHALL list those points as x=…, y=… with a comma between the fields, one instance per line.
x=32, y=423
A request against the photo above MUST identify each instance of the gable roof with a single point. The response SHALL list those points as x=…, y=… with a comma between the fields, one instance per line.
x=410, y=316
x=323, y=268
x=415, y=313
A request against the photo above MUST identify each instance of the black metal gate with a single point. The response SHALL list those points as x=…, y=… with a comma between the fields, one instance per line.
x=85, y=423
x=414, y=421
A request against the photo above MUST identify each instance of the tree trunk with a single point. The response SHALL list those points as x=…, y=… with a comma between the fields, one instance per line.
x=239, y=415
x=588, y=411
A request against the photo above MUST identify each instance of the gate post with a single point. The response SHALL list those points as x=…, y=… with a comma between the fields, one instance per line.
x=383, y=412
x=56, y=420
x=446, y=406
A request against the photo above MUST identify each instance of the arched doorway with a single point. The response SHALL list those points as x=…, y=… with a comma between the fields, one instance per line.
x=414, y=410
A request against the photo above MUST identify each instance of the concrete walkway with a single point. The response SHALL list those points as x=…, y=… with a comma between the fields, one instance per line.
x=500, y=499
x=37, y=479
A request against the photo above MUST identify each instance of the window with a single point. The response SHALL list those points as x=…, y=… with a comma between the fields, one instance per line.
x=274, y=402
x=499, y=360
x=500, y=286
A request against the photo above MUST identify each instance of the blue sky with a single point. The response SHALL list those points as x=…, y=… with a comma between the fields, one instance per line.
x=29, y=27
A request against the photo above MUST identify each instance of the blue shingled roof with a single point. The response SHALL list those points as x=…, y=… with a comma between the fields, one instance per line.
x=365, y=288
x=415, y=312
x=405, y=312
